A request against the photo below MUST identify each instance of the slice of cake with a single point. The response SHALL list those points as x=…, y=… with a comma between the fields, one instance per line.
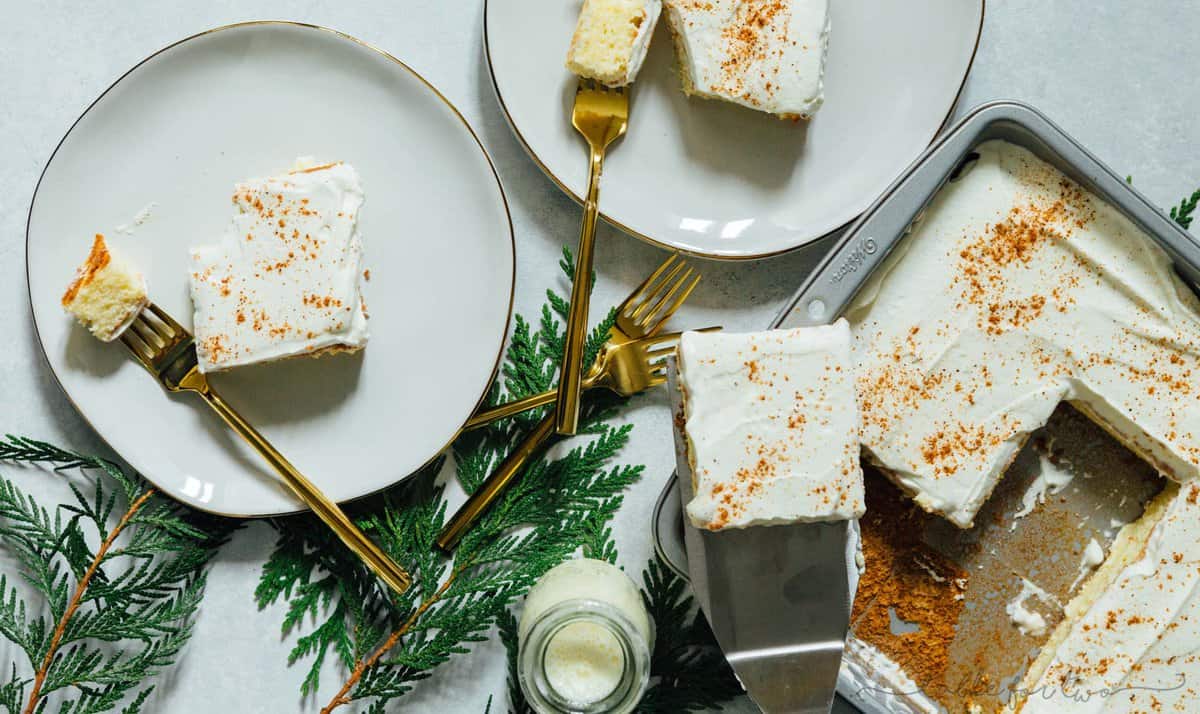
x=286, y=278
x=772, y=427
x=107, y=293
x=611, y=39
x=763, y=54
x=1017, y=291
x=1128, y=642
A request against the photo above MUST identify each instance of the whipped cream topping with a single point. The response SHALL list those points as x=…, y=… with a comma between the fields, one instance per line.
x=1050, y=479
x=772, y=427
x=285, y=279
x=1028, y=621
x=1134, y=649
x=763, y=54
x=1017, y=291
x=1093, y=556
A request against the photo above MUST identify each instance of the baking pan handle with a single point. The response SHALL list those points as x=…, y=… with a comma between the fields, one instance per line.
x=831, y=287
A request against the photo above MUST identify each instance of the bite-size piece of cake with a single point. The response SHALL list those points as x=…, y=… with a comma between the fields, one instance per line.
x=611, y=39
x=772, y=427
x=107, y=292
x=285, y=280
x=763, y=54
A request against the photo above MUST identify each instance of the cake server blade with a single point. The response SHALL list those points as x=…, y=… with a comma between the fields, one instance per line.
x=777, y=598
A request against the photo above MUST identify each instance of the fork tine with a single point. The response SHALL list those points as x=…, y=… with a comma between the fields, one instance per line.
x=139, y=349
x=655, y=291
x=166, y=319
x=661, y=310
x=636, y=295
x=648, y=342
x=146, y=332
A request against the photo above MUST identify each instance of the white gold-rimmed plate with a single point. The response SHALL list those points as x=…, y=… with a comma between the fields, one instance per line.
x=721, y=181
x=152, y=163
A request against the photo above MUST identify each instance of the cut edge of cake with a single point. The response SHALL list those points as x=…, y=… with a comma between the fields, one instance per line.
x=1127, y=548
x=611, y=39
x=107, y=293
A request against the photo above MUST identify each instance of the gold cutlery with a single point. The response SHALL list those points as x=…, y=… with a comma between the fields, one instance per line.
x=601, y=115
x=658, y=295
x=636, y=364
x=166, y=349
x=614, y=370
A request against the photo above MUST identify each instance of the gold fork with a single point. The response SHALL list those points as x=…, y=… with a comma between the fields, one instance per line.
x=640, y=316
x=166, y=349
x=659, y=295
x=619, y=368
x=601, y=115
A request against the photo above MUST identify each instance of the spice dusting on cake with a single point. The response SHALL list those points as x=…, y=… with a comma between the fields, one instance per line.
x=772, y=427
x=767, y=55
x=286, y=278
x=1018, y=291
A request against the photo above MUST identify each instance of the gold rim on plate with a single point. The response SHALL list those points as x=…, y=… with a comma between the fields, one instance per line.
x=487, y=51
x=429, y=85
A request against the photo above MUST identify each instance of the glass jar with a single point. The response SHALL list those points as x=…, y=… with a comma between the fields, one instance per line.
x=585, y=641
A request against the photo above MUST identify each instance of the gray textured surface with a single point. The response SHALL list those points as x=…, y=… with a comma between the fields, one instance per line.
x=1118, y=75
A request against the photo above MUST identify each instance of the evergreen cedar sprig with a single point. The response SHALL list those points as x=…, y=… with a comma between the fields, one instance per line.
x=389, y=643
x=1182, y=214
x=688, y=670
x=114, y=615
x=507, y=627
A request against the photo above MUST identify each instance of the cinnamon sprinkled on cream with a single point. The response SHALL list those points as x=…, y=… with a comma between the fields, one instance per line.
x=772, y=427
x=286, y=280
x=1017, y=291
x=764, y=54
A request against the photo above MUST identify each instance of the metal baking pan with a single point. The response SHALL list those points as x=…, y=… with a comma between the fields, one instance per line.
x=983, y=652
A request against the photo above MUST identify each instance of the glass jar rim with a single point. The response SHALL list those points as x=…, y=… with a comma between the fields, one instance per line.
x=634, y=647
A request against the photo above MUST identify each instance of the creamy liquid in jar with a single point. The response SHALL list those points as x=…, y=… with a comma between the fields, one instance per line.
x=585, y=640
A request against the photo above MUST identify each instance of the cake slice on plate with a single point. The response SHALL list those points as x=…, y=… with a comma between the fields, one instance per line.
x=763, y=54
x=107, y=293
x=611, y=39
x=772, y=427
x=285, y=280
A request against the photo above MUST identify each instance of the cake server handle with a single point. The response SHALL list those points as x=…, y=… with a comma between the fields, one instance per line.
x=328, y=511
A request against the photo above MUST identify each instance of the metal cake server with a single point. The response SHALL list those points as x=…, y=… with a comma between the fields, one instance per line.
x=777, y=598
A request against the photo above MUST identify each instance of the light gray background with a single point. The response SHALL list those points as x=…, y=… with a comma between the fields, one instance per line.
x=1120, y=76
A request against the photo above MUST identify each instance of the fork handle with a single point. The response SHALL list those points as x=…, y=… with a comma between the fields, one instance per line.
x=494, y=485
x=328, y=511
x=570, y=372
x=524, y=404
x=508, y=409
